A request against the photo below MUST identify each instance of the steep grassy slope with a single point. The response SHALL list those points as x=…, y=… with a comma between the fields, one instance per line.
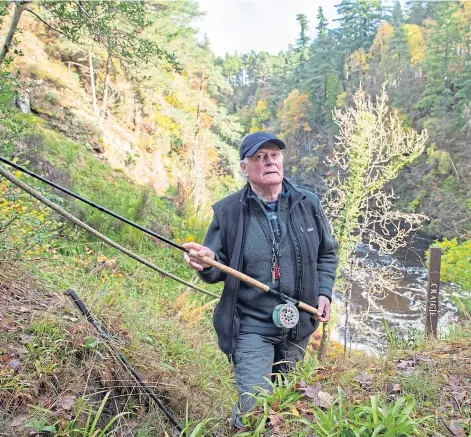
x=55, y=372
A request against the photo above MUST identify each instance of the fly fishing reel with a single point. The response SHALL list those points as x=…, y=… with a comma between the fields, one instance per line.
x=285, y=315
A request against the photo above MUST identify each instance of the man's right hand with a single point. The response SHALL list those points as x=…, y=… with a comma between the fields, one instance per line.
x=195, y=262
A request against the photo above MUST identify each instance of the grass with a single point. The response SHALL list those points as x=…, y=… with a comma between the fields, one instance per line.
x=149, y=316
x=53, y=354
x=176, y=358
x=169, y=340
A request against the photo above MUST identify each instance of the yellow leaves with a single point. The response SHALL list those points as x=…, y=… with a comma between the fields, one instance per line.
x=17, y=174
x=262, y=111
x=416, y=41
x=466, y=10
x=172, y=100
x=357, y=62
x=293, y=113
x=456, y=265
x=382, y=38
x=25, y=222
x=166, y=123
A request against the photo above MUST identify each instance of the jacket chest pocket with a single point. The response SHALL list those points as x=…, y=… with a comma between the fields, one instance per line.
x=310, y=237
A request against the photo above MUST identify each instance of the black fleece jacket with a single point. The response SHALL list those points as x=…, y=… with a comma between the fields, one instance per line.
x=308, y=262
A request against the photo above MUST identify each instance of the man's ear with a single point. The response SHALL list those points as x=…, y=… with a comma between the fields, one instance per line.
x=243, y=168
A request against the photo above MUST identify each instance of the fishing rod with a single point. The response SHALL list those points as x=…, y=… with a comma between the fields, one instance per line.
x=89, y=202
x=6, y=174
x=283, y=315
x=84, y=310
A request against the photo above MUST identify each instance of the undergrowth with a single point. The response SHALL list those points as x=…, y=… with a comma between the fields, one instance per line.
x=57, y=377
x=163, y=328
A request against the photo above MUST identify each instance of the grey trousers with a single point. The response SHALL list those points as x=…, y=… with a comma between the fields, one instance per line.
x=255, y=358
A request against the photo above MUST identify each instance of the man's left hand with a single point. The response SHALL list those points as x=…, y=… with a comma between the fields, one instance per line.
x=323, y=309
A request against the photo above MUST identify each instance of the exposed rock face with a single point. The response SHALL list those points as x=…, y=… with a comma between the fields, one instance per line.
x=57, y=95
x=23, y=102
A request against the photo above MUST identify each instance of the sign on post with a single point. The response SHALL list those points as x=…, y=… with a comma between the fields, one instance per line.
x=433, y=289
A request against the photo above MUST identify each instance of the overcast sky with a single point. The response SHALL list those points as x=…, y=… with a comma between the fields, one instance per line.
x=268, y=25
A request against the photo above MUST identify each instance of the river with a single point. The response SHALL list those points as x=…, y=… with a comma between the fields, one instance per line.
x=403, y=308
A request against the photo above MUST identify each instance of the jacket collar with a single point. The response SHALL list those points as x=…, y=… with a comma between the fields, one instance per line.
x=288, y=189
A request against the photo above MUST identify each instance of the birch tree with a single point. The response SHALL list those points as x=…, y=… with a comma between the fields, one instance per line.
x=370, y=150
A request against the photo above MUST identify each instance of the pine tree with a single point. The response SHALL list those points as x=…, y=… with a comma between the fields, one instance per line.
x=463, y=77
x=441, y=61
x=302, y=49
x=323, y=73
x=418, y=11
x=302, y=42
x=322, y=23
x=398, y=59
x=359, y=21
x=232, y=69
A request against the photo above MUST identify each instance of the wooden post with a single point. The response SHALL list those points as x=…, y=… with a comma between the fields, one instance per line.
x=433, y=289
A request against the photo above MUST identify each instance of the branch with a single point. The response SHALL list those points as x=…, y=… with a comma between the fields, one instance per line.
x=454, y=168
x=44, y=22
x=3, y=228
x=76, y=63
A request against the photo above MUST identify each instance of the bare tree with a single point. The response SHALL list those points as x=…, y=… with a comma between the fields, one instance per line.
x=370, y=150
x=20, y=6
x=197, y=156
x=92, y=82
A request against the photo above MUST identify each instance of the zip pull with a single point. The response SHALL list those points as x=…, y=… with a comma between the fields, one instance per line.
x=302, y=230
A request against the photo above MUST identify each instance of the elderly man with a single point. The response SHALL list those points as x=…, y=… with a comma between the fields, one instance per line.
x=279, y=235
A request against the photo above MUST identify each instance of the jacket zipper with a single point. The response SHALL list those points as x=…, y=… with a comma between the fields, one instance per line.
x=299, y=269
x=239, y=267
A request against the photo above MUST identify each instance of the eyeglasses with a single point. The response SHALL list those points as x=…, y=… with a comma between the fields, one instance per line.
x=262, y=156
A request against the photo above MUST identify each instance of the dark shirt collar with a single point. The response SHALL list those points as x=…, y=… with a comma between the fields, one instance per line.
x=294, y=194
x=285, y=192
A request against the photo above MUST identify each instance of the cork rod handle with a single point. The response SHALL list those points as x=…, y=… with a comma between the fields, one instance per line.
x=230, y=271
x=247, y=279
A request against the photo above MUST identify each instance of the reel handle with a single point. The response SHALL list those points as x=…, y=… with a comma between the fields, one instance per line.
x=247, y=279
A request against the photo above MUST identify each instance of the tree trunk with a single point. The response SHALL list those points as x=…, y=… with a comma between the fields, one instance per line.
x=137, y=106
x=198, y=110
x=137, y=117
x=105, y=91
x=198, y=158
x=19, y=7
x=92, y=83
x=323, y=345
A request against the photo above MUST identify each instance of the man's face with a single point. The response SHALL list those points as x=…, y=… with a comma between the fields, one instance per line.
x=265, y=168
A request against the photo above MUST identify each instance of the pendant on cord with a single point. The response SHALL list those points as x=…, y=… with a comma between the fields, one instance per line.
x=275, y=266
x=275, y=272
